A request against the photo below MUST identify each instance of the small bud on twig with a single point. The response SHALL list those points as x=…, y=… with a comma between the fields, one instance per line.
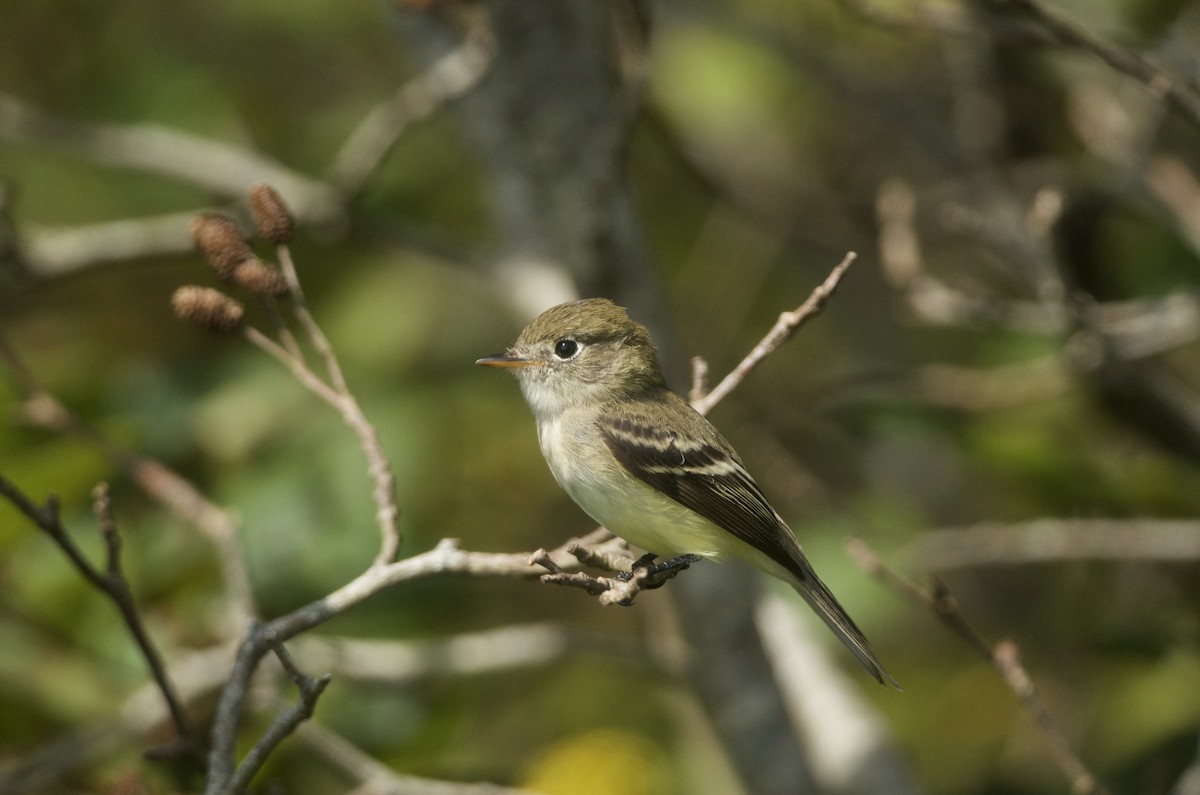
x=271, y=214
x=208, y=308
x=259, y=278
x=222, y=242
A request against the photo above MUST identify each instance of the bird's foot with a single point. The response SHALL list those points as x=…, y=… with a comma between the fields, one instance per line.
x=657, y=573
x=644, y=562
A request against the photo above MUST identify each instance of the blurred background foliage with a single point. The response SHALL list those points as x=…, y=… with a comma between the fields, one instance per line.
x=774, y=137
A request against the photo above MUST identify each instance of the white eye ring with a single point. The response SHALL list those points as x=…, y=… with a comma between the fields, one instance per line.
x=566, y=348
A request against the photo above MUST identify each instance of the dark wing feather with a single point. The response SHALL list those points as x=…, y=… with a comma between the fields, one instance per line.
x=703, y=475
x=706, y=476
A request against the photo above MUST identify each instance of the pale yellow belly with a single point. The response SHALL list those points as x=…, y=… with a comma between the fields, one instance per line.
x=650, y=520
x=635, y=511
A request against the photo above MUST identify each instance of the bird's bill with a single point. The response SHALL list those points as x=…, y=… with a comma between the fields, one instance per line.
x=507, y=359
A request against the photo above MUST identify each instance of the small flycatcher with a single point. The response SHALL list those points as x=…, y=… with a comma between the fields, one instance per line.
x=643, y=463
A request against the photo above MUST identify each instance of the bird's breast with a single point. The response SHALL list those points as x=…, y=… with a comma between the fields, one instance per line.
x=600, y=485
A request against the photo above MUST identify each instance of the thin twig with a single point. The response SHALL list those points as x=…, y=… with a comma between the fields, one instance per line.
x=338, y=395
x=113, y=584
x=1004, y=657
x=316, y=336
x=1067, y=31
x=285, y=723
x=700, y=385
x=608, y=554
x=451, y=76
x=621, y=590
x=298, y=367
x=102, y=507
x=281, y=329
x=783, y=329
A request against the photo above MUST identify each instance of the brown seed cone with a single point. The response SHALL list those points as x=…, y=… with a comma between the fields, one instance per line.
x=208, y=308
x=259, y=278
x=221, y=241
x=271, y=214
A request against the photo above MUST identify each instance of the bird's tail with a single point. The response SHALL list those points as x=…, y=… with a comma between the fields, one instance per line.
x=824, y=604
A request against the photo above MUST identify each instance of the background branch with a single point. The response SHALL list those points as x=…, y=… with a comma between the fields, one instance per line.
x=1066, y=31
x=1004, y=657
x=112, y=584
x=223, y=169
x=1054, y=540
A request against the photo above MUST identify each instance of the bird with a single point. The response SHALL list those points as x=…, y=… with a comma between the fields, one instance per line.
x=639, y=460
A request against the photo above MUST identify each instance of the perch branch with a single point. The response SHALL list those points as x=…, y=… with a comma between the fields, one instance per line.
x=444, y=559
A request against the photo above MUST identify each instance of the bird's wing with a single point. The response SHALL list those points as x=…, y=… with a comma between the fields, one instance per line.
x=706, y=476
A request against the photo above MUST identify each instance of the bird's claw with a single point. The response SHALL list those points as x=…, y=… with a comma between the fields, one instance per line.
x=657, y=573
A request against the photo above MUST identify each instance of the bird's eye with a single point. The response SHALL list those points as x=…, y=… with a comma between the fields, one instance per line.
x=565, y=349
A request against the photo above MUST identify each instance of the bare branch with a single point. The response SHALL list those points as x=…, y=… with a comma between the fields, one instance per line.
x=1004, y=657
x=50, y=251
x=333, y=391
x=783, y=329
x=102, y=507
x=848, y=743
x=608, y=554
x=700, y=385
x=380, y=469
x=1067, y=31
x=217, y=167
x=296, y=364
x=449, y=77
x=609, y=589
x=611, y=554
x=444, y=559
x=285, y=723
x=113, y=585
x=345, y=403
x=936, y=302
x=1049, y=540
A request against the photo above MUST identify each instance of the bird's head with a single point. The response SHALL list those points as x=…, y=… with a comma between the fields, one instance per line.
x=579, y=352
